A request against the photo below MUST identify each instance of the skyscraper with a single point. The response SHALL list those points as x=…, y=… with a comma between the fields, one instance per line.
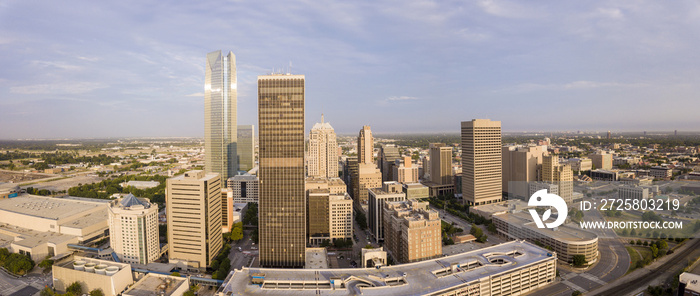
x=365, y=145
x=559, y=174
x=440, y=164
x=220, y=99
x=520, y=166
x=245, y=147
x=323, y=151
x=133, y=229
x=481, y=161
x=388, y=154
x=282, y=200
x=194, y=218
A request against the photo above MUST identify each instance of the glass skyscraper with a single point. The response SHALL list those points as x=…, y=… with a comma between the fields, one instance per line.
x=220, y=99
x=282, y=196
x=246, y=147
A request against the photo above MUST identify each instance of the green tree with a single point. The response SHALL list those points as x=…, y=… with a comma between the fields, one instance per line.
x=97, y=292
x=46, y=292
x=576, y=293
x=75, y=288
x=237, y=231
x=175, y=274
x=579, y=260
x=361, y=220
x=476, y=231
x=492, y=228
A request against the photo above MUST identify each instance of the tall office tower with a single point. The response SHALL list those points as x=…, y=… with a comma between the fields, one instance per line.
x=520, y=166
x=602, y=160
x=193, y=205
x=386, y=158
x=561, y=175
x=389, y=191
x=133, y=229
x=440, y=164
x=481, y=161
x=245, y=147
x=609, y=135
x=220, y=99
x=226, y=209
x=405, y=171
x=365, y=145
x=282, y=200
x=350, y=174
x=368, y=176
x=323, y=151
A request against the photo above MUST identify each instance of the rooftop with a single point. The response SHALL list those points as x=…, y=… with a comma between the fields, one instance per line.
x=417, y=278
x=155, y=285
x=48, y=207
x=244, y=178
x=568, y=232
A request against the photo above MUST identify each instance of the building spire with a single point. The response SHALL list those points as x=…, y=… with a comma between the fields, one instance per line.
x=321, y=117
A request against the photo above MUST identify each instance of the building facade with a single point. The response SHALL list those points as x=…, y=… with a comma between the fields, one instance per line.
x=388, y=154
x=390, y=191
x=580, y=165
x=602, y=160
x=282, y=201
x=405, y=171
x=133, y=230
x=323, y=151
x=660, y=172
x=245, y=147
x=365, y=146
x=193, y=206
x=368, y=176
x=520, y=166
x=440, y=164
x=481, y=161
x=632, y=192
x=412, y=231
x=559, y=174
x=244, y=188
x=220, y=117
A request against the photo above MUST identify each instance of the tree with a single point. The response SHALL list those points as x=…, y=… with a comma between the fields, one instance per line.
x=476, y=231
x=75, y=288
x=237, y=231
x=175, y=274
x=579, y=260
x=46, y=292
x=492, y=228
x=576, y=293
x=633, y=232
x=361, y=220
x=97, y=292
x=654, y=251
x=46, y=264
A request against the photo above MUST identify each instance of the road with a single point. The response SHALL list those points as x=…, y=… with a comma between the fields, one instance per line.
x=27, y=285
x=247, y=255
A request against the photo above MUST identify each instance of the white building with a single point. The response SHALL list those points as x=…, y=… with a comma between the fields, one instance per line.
x=633, y=192
x=244, y=188
x=323, y=151
x=133, y=228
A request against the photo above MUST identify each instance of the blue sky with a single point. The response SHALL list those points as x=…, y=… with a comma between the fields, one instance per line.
x=136, y=68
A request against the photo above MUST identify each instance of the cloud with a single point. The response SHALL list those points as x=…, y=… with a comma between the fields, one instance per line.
x=59, y=65
x=575, y=86
x=199, y=94
x=402, y=98
x=57, y=88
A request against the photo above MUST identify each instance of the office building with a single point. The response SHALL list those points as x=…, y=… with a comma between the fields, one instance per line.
x=282, y=196
x=350, y=171
x=159, y=284
x=415, y=190
x=412, y=231
x=481, y=162
x=368, y=176
x=581, y=165
x=226, y=209
x=220, y=107
x=440, y=164
x=330, y=212
x=565, y=240
x=193, y=206
x=390, y=191
x=602, y=160
x=689, y=284
x=632, y=192
x=388, y=154
x=109, y=276
x=133, y=229
x=245, y=147
x=559, y=174
x=323, y=151
x=405, y=171
x=40, y=226
x=244, y=188
x=520, y=166
x=604, y=175
x=660, y=172
x=512, y=268
x=365, y=146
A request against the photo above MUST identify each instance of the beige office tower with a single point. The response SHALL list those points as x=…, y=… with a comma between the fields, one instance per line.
x=365, y=146
x=226, y=209
x=329, y=211
x=560, y=174
x=323, y=151
x=440, y=164
x=405, y=171
x=193, y=205
x=368, y=176
x=520, y=165
x=481, y=161
x=412, y=231
x=386, y=158
x=133, y=229
x=602, y=160
x=282, y=197
x=220, y=99
x=246, y=147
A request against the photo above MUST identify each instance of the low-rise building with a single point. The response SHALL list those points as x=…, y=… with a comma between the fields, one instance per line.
x=110, y=277
x=416, y=190
x=512, y=268
x=390, y=191
x=689, y=284
x=412, y=231
x=604, y=175
x=243, y=188
x=581, y=164
x=632, y=192
x=661, y=172
x=159, y=284
x=565, y=240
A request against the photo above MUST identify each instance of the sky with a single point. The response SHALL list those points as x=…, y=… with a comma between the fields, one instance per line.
x=92, y=69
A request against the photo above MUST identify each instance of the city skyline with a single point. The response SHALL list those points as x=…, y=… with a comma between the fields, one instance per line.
x=66, y=75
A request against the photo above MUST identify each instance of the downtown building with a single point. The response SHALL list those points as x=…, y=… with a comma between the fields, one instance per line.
x=520, y=166
x=244, y=188
x=193, y=206
x=245, y=147
x=133, y=230
x=388, y=192
x=440, y=170
x=368, y=175
x=386, y=161
x=323, y=151
x=412, y=231
x=404, y=170
x=559, y=174
x=329, y=210
x=220, y=121
x=481, y=162
x=282, y=196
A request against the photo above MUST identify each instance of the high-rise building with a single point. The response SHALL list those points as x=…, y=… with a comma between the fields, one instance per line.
x=323, y=151
x=560, y=174
x=282, y=201
x=350, y=171
x=520, y=166
x=405, y=171
x=412, y=231
x=220, y=107
x=609, y=135
x=481, y=161
x=389, y=191
x=193, y=206
x=368, y=176
x=386, y=158
x=133, y=230
x=365, y=145
x=602, y=160
x=329, y=211
x=226, y=209
x=246, y=147
x=440, y=164
x=244, y=188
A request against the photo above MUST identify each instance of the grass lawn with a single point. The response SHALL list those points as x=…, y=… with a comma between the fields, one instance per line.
x=634, y=258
